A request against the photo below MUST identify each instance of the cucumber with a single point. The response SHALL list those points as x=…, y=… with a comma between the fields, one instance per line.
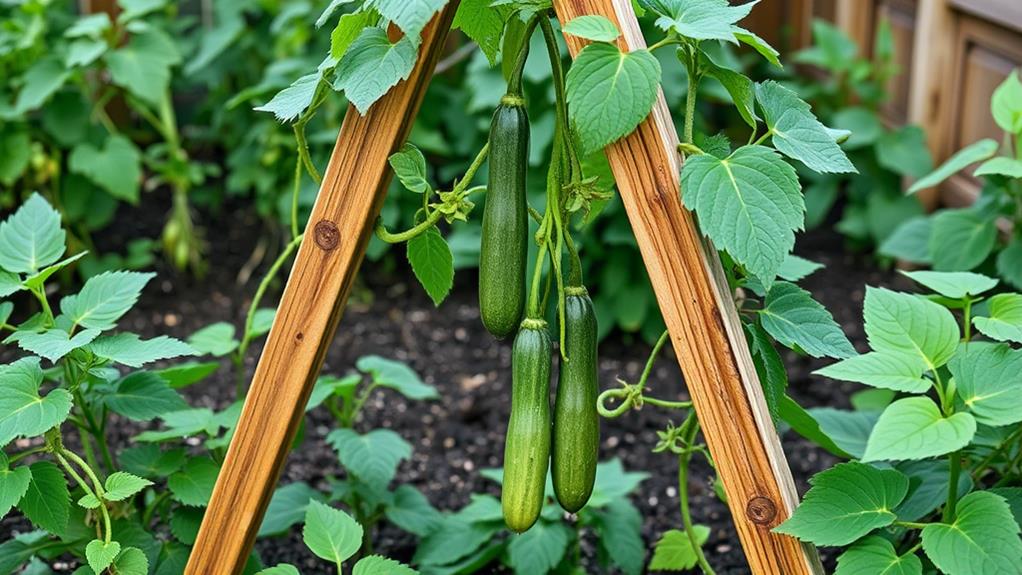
x=576, y=439
x=504, y=248
x=527, y=447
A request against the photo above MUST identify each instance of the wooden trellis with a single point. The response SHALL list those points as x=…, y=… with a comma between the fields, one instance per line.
x=686, y=275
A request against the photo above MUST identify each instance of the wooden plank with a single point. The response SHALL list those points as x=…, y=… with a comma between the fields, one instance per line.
x=342, y=220
x=855, y=17
x=705, y=329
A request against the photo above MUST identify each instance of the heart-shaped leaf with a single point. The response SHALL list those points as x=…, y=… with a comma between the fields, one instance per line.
x=101, y=555
x=983, y=538
x=914, y=428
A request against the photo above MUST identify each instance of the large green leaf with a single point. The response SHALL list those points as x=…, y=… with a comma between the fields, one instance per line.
x=539, y=549
x=989, y=382
x=914, y=428
x=609, y=92
x=216, y=339
x=1003, y=321
x=796, y=320
x=373, y=65
x=929, y=487
x=910, y=241
x=142, y=67
x=906, y=324
x=674, y=552
x=410, y=510
x=410, y=17
x=619, y=529
x=131, y=561
x=31, y=238
x=877, y=556
x=23, y=412
x=47, y=501
x=983, y=538
x=397, y=376
x=964, y=158
x=1006, y=104
x=287, y=507
x=15, y=153
x=372, y=457
x=592, y=27
x=379, y=565
x=40, y=82
x=1000, y=166
x=142, y=396
x=290, y=102
x=105, y=298
x=128, y=349
x=13, y=485
x=955, y=285
x=848, y=429
x=193, y=485
x=54, y=344
x=483, y=24
x=888, y=370
x=698, y=19
x=100, y=554
x=846, y=502
x=749, y=204
x=116, y=167
x=433, y=264
x=738, y=86
x=797, y=133
x=330, y=533
x=904, y=151
x=961, y=239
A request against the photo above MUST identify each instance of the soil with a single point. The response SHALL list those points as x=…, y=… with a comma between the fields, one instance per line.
x=463, y=432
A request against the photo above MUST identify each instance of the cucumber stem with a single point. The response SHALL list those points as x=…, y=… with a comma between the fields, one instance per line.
x=514, y=83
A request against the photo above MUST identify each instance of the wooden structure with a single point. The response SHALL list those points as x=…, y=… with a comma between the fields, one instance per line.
x=684, y=269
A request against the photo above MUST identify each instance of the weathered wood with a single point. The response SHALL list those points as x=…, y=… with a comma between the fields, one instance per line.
x=705, y=329
x=349, y=201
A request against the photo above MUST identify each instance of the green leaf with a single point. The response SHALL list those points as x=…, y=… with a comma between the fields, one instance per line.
x=955, y=285
x=832, y=49
x=1004, y=319
x=987, y=379
x=619, y=530
x=287, y=507
x=9, y=283
x=907, y=324
x=397, y=376
x=539, y=549
x=349, y=26
x=54, y=344
x=47, y=502
x=149, y=460
x=193, y=485
x=758, y=44
x=93, y=25
x=962, y=159
x=143, y=396
x=187, y=373
x=910, y=241
x=372, y=457
x=592, y=27
x=674, y=551
x=280, y=569
x=101, y=555
x=1001, y=166
x=141, y=69
x=290, y=102
x=803, y=423
x=23, y=412
x=961, y=239
x=483, y=24
x=887, y=370
x=739, y=87
x=436, y=548
x=116, y=168
x=40, y=82
x=929, y=487
x=613, y=482
x=128, y=349
x=1013, y=495
x=15, y=152
x=1006, y=104
x=411, y=511
x=848, y=429
x=215, y=339
x=877, y=556
x=36, y=281
x=914, y=428
x=698, y=19
x=6, y=308
x=330, y=533
x=749, y=204
x=797, y=133
x=181, y=424
x=13, y=486
x=373, y=65
x=983, y=538
x=185, y=523
x=1009, y=263
x=131, y=561
x=378, y=565
x=410, y=17
x=433, y=263
x=863, y=123
x=31, y=239
x=105, y=298
x=609, y=92
x=796, y=320
x=120, y=485
x=904, y=151
x=795, y=268
x=409, y=166
x=846, y=502
x=769, y=367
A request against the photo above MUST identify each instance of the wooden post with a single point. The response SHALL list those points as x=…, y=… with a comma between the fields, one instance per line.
x=705, y=329
x=342, y=220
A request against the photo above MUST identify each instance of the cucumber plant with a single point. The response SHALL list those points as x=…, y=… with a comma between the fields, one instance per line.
x=963, y=239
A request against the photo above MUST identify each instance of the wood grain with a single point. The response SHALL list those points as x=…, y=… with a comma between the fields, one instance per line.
x=705, y=329
x=349, y=201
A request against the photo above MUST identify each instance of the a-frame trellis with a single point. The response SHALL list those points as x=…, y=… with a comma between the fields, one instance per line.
x=686, y=276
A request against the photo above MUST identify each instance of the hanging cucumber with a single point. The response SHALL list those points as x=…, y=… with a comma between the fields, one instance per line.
x=527, y=447
x=576, y=436
x=505, y=232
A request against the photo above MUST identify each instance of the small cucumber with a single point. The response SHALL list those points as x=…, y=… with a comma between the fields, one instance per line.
x=576, y=440
x=527, y=447
x=504, y=247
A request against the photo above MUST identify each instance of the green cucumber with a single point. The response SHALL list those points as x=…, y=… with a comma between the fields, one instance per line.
x=576, y=439
x=527, y=447
x=504, y=249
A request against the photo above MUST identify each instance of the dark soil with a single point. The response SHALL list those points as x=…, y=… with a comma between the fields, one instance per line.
x=463, y=432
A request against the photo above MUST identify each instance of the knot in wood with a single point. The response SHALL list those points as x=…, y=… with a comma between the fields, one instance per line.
x=761, y=510
x=326, y=234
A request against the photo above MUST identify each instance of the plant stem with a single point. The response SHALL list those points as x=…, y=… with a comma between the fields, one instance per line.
x=686, y=516
x=967, y=317
x=60, y=453
x=652, y=359
x=514, y=83
x=690, y=100
x=955, y=469
x=409, y=234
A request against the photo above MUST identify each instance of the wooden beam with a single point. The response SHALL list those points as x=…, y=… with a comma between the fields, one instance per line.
x=855, y=18
x=342, y=220
x=705, y=329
